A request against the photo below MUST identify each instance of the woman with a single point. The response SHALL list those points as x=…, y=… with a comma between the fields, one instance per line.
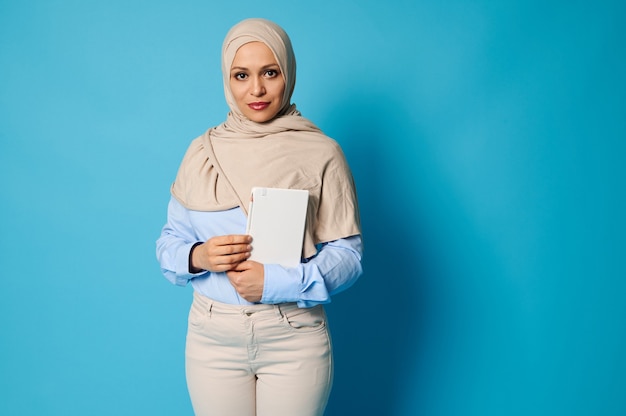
x=257, y=340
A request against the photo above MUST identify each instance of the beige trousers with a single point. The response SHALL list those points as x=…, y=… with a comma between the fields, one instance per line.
x=260, y=360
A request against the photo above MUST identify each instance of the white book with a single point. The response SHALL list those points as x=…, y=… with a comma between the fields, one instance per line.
x=276, y=220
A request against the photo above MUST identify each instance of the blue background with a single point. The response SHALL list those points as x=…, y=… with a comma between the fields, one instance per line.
x=488, y=141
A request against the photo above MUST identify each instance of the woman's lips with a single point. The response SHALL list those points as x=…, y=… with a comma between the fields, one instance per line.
x=261, y=105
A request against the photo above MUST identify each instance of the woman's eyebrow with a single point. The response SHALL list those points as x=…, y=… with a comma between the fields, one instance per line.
x=242, y=68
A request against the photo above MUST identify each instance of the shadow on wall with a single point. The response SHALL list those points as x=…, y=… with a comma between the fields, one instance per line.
x=378, y=324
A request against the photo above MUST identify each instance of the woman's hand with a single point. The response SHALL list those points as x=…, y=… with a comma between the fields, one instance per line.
x=221, y=254
x=248, y=279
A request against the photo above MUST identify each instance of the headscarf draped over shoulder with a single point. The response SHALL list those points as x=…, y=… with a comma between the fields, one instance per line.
x=288, y=151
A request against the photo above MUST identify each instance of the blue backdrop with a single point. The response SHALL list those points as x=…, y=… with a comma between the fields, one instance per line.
x=488, y=142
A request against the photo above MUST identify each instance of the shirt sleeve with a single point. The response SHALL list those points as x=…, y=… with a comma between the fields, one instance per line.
x=173, y=246
x=334, y=269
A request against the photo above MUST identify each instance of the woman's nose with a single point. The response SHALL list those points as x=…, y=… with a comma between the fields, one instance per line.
x=258, y=88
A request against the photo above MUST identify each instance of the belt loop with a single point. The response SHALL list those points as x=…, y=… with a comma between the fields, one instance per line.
x=209, y=308
x=279, y=311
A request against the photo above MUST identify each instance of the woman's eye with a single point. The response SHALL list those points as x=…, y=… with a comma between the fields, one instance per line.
x=271, y=73
x=240, y=76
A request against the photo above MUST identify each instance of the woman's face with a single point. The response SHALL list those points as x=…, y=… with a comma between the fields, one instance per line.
x=256, y=82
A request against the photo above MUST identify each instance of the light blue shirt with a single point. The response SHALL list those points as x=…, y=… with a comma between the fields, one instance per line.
x=335, y=267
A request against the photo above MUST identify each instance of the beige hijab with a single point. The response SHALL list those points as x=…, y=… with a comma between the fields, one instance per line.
x=221, y=166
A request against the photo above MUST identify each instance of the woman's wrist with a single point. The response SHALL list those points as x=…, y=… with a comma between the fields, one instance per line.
x=192, y=268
